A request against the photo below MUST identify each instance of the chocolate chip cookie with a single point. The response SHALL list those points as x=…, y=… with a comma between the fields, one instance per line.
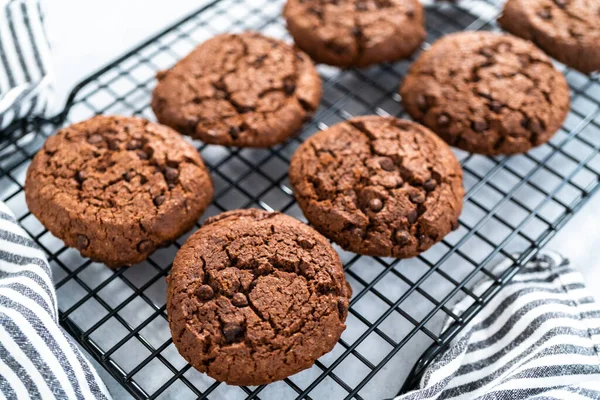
x=487, y=93
x=116, y=188
x=254, y=297
x=243, y=90
x=356, y=33
x=568, y=30
x=378, y=186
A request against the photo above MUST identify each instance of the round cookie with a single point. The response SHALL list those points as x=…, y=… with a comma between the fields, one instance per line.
x=356, y=33
x=378, y=186
x=254, y=297
x=487, y=93
x=568, y=30
x=243, y=90
x=116, y=188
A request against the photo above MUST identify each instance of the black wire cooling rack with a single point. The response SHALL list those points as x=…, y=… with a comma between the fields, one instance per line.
x=513, y=206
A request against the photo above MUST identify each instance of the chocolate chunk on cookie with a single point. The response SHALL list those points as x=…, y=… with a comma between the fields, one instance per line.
x=254, y=297
x=487, y=93
x=378, y=186
x=356, y=33
x=568, y=30
x=243, y=90
x=117, y=188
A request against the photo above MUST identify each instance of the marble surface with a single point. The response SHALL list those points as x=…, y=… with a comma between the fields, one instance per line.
x=85, y=35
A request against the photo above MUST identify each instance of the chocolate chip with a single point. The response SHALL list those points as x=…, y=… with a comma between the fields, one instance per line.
x=239, y=300
x=544, y=13
x=443, y=120
x=142, y=155
x=234, y=132
x=455, y=225
x=129, y=175
x=535, y=126
x=316, y=12
x=387, y=164
x=375, y=204
x=430, y=185
x=412, y=216
x=479, y=125
x=289, y=87
x=410, y=13
x=232, y=331
x=82, y=242
x=306, y=243
x=259, y=60
x=336, y=48
x=205, y=292
x=144, y=246
x=80, y=176
x=402, y=238
x=95, y=139
x=171, y=174
x=134, y=145
x=357, y=32
x=417, y=197
x=561, y=3
x=219, y=85
x=496, y=106
x=486, y=52
x=113, y=144
x=422, y=103
x=159, y=200
x=343, y=307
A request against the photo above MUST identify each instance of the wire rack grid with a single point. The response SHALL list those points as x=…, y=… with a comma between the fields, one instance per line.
x=513, y=206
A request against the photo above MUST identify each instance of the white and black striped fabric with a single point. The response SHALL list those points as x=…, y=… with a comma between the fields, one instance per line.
x=37, y=359
x=538, y=339
x=25, y=61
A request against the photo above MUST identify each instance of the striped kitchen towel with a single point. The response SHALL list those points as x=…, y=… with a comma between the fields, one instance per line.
x=37, y=359
x=25, y=61
x=539, y=339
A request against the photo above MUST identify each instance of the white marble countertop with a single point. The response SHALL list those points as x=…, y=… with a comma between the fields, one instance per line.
x=86, y=35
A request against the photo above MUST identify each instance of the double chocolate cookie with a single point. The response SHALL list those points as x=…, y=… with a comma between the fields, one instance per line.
x=358, y=32
x=379, y=186
x=568, y=30
x=116, y=188
x=254, y=297
x=487, y=93
x=243, y=90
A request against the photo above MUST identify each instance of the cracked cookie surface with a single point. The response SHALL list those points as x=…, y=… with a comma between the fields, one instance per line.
x=487, y=93
x=116, y=188
x=243, y=90
x=254, y=297
x=378, y=186
x=568, y=30
x=358, y=32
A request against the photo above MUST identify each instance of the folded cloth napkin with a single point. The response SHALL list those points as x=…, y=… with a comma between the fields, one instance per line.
x=539, y=338
x=25, y=61
x=37, y=358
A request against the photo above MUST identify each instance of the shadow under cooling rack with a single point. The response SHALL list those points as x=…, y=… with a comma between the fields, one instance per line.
x=512, y=207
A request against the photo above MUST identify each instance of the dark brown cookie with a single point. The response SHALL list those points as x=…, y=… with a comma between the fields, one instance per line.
x=358, y=32
x=243, y=90
x=487, y=93
x=568, y=30
x=254, y=297
x=378, y=186
x=116, y=188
